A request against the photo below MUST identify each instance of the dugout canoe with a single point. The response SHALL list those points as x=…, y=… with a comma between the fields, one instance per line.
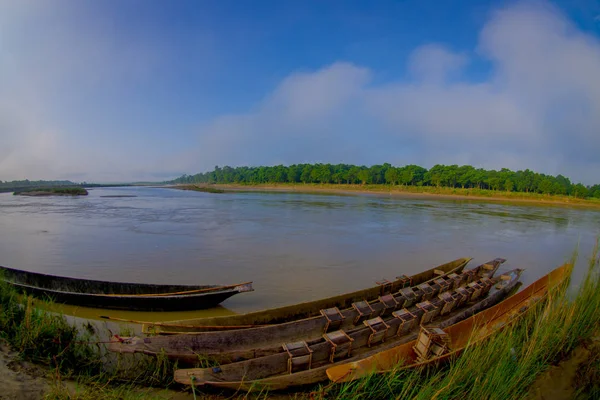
x=241, y=344
x=468, y=332
x=118, y=295
x=292, y=368
x=301, y=310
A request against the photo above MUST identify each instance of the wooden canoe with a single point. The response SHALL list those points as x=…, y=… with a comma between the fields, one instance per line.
x=241, y=344
x=468, y=332
x=117, y=295
x=273, y=372
x=297, y=311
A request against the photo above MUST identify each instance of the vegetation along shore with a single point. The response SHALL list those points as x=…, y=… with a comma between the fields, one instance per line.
x=513, y=364
x=52, y=191
x=441, y=180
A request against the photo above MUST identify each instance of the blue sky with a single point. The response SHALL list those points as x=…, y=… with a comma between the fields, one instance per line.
x=148, y=90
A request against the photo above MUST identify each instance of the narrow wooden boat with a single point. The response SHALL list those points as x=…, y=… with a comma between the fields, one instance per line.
x=306, y=363
x=242, y=344
x=455, y=338
x=302, y=310
x=117, y=295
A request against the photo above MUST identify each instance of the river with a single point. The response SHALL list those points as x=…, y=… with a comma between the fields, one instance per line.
x=295, y=247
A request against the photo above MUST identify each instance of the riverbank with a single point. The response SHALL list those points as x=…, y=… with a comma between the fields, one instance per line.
x=72, y=191
x=514, y=363
x=415, y=192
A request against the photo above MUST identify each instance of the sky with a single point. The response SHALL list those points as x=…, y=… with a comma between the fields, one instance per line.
x=115, y=91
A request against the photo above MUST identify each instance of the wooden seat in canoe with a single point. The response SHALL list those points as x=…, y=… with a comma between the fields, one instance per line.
x=300, y=356
x=429, y=311
x=428, y=291
x=443, y=284
x=389, y=302
x=364, y=311
x=477, y=290
x=455, y=280
x=334, y=317
x=465, y=295
x=487, y=285
x=409, y=297
x=449, y=302
x=432, y=342
x=385, y=286
x=408, y=321
x=403, y=281
x=470, y=275
x=378, y=330
x=486, y=269
x=341, y=344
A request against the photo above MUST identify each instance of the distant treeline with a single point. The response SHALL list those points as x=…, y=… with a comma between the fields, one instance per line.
x=28, y=183
x=11, y=186
x=452, y=176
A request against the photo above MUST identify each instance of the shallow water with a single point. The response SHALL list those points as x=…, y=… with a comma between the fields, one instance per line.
x=295, y=247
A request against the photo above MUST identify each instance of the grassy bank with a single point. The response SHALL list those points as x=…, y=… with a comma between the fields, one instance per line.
x=56, y=191
x=507, y=365
x=425, y=191
x=202, y=188
x=74, y=353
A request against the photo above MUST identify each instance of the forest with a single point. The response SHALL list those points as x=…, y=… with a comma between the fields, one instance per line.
x=452, y=176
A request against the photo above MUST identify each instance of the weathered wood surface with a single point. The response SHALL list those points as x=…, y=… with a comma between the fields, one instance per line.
x=271, y=371
x=296, y=311
x=231, y=346
x=119, y=295
x=470, y=331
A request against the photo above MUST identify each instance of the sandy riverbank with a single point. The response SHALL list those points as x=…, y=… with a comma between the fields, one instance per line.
x=20, y=379
x=407, y=192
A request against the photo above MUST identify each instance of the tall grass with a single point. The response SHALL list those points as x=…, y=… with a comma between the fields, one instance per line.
x=44, y=337
x=449, y=191
x=503, y=367
x=75, y=353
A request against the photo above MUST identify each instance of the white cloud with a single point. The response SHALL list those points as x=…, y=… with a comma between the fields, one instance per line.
x=434, y=63
x=303, y=119
x=539, y=108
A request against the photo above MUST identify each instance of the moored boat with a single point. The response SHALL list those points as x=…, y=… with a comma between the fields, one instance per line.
x=303, y=363
x=118, y=295
x=305, y=309
x=436, y=346
x=242, y=344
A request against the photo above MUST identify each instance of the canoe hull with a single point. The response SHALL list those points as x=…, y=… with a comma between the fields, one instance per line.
x=116, y=295
x=235, y=345
x=292, y=312
x=279, y=379
x=474, y=330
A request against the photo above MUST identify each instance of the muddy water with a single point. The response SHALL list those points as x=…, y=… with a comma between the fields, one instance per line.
x=295, y=247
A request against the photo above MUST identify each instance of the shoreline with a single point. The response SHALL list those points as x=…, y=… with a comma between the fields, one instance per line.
x=397, y=191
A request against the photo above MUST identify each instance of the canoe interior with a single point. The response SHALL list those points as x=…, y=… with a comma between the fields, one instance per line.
x=296, y=311
x=76, y=285
x=270, y=372
x=235, y=345
x=469, y=331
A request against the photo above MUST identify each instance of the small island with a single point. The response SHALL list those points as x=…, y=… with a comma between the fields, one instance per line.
x=56, y=191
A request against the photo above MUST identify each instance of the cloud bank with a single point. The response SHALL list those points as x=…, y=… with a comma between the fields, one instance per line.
x=537, y=107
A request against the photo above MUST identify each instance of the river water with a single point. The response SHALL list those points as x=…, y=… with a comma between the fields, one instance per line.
x=295, y=247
